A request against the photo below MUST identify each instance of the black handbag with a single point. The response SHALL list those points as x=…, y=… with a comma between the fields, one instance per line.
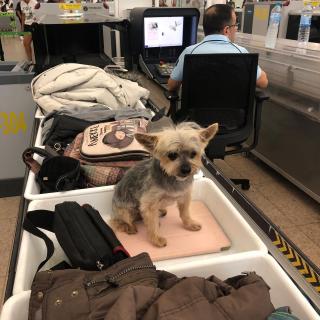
x=56, y=173
x=88, y=242
x=63, y=131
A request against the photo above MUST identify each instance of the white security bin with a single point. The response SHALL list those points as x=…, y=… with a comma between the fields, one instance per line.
x=243, y=238
x=32, y=190
x=283, y=291
x=16, y=307
x=39, y=114
x=38, y=142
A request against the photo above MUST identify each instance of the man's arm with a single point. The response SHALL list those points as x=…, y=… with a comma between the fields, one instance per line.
x=262, y=81
x=176, y=76
x=173, y=85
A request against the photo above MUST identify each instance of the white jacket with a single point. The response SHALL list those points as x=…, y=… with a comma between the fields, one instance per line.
x=85, y=86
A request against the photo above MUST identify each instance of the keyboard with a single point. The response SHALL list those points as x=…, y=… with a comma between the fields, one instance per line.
x=165, y=69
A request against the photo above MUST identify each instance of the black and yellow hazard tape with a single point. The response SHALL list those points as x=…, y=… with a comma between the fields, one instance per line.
x=296, y=260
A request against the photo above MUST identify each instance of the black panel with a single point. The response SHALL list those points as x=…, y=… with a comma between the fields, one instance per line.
x=73, y=39
x=248, y=18
x=56, y=43
x=293, y=28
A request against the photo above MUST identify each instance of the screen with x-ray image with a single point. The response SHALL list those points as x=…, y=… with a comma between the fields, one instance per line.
x=163, y=32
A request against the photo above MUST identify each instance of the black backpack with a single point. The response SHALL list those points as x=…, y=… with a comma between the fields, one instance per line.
x=88, y=242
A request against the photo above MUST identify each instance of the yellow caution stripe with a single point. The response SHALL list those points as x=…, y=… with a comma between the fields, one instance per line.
x=297, y=261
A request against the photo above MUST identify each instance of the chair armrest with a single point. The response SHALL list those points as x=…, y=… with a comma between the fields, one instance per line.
x=261, y=96
x=171, y=95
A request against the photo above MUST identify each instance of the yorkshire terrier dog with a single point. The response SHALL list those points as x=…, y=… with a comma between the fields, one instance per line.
x=147, y=189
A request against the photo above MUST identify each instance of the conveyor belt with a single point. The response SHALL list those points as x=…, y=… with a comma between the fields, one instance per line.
x=301, y=270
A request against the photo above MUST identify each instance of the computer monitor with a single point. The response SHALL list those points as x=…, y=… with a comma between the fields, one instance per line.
x=163, y=32
x=159, y=35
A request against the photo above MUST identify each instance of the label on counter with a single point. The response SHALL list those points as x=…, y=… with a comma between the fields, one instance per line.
x=313, y=3
x=70, y=6
x=12, y=123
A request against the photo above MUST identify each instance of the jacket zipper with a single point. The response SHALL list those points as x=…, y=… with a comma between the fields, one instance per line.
x=112, y=280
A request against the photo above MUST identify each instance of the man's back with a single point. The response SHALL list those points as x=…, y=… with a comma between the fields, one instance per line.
x=220, y=28
x=215, y=43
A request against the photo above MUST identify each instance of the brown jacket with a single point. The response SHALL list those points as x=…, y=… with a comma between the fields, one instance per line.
x=133, y=289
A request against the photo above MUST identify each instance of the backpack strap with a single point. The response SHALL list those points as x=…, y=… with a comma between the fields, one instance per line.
x=40, y=219
x=43, y=219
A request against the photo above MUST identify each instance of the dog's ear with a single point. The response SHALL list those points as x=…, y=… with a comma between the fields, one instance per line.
x=208, y=133
x=149, y=141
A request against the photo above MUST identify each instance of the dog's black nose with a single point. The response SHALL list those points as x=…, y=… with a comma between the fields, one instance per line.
x=185, y=169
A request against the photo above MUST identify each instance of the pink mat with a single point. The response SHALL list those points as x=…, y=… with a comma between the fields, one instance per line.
x=180, y=242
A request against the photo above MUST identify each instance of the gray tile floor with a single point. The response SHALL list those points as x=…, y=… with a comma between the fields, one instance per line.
x=8, y=218
x=288, y=207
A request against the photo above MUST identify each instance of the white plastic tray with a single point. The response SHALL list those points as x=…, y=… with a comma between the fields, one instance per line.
x=16, y=307
x=37, y=142
x=283, y=292
x=39, y=114
x=243, y=238
x=32, y=191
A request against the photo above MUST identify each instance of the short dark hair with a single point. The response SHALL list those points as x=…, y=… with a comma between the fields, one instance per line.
x=216, y=18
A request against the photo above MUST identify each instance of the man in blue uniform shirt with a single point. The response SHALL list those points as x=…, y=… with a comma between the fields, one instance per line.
x=220, y=27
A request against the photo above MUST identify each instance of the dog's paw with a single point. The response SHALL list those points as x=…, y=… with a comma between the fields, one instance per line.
x=162, y=213
x=159, y=241
x=192, y=226
x=132, y=229
x=129, y=229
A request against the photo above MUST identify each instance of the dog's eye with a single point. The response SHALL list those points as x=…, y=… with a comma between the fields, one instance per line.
x=172, y=156
x=193, y=154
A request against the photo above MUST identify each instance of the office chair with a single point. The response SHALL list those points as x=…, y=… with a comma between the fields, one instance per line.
x=221, y=88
